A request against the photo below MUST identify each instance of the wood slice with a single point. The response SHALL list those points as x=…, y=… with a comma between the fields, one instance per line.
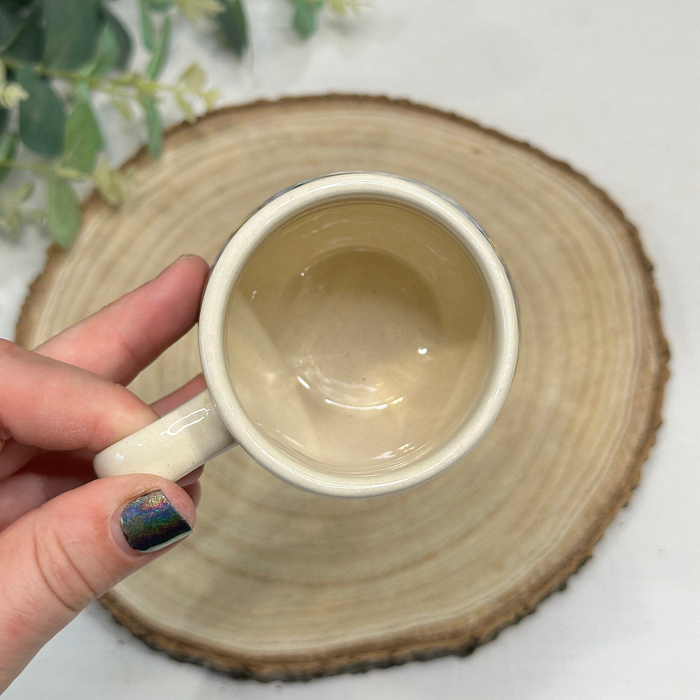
x=278, y=583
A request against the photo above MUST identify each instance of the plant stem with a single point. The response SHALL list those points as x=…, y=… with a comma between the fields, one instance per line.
x=100, y=83
x=31, y=213
x=46, y=170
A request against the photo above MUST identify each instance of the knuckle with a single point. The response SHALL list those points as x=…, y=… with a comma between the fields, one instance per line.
x=109, y=425
x=63, y=579
x=128, y=349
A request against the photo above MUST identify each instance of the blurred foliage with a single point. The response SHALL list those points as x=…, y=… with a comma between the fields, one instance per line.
x=55, y=55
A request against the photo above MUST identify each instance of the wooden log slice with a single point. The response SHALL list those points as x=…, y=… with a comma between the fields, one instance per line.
x=278, y=583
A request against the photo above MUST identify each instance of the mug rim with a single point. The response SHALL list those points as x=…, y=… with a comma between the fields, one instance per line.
x=265, y=220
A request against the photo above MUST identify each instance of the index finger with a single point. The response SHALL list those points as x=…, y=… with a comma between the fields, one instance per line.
x=121, y=339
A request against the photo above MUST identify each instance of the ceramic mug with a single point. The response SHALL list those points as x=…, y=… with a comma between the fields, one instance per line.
x=358, y=336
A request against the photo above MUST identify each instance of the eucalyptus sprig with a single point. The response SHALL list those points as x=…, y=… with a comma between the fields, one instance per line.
x=13, y=213
x=56, y=55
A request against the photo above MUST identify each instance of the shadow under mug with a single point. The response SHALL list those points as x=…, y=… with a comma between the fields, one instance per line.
x=358, y=336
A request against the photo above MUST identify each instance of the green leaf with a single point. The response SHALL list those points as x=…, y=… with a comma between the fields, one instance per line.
x=23, y=191
x=42, y=118
x=11, y=94
x=186, y=109
x=149, y=35
x=11, y=223
x=155, y=126
x=193, y=78
x=123, y=37
x=28, y=42
x=10, y=24
x=83, y=139
x=14, y=5
x=107, y=52
x=160, y=54
x=194, y=10
x=4, y=118
x=8, y=143
x=63, y=217
x=234, y=25
x=82, y=91
x=72, y=32
x=160, y=5
x=306, y=16
x=340, y=7
x=211, y=97
x=112, y=184
x=124, y=108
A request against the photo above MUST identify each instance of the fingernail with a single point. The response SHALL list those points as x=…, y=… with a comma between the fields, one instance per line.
x=174, y=262
x=150, y=522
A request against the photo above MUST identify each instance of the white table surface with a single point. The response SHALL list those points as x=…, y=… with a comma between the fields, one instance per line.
x=614, y=89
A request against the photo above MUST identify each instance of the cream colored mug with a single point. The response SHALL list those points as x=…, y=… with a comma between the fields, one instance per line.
x=358, y=336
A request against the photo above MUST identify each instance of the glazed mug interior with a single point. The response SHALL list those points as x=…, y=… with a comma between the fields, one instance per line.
x=358, y=336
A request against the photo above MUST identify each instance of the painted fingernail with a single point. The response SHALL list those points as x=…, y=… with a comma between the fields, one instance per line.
x=151, y=522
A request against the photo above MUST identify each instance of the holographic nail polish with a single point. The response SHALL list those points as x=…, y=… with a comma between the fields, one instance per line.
x=150, y=522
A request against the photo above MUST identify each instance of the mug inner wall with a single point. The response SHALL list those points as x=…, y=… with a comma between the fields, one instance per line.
x=359, y=336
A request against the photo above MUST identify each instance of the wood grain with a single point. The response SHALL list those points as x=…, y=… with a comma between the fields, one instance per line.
x=278, y=583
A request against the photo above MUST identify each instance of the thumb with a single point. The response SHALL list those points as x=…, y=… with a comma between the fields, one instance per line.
x=58, y=558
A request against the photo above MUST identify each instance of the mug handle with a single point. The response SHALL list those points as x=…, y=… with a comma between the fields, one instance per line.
x=173, y=446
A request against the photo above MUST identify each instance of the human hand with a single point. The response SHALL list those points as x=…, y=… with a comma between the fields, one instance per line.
x=66, y=538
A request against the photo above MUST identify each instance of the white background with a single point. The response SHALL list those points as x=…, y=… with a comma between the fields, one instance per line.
x=611, y=87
